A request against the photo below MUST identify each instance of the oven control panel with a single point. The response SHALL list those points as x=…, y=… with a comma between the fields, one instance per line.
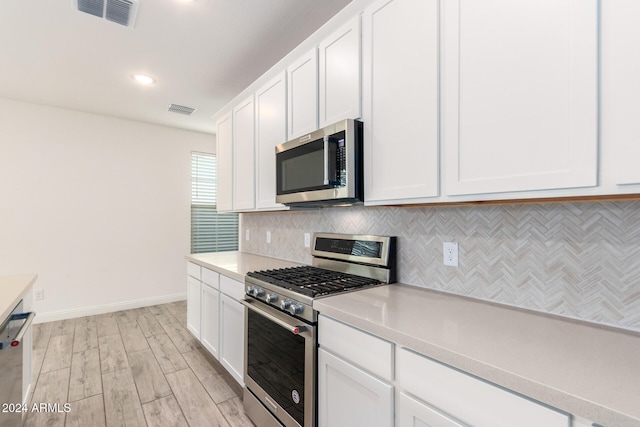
x=282, y=302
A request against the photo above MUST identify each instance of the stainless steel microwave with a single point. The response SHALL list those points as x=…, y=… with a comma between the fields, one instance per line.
x=322, y=168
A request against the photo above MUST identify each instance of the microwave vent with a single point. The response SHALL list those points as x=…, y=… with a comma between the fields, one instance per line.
x=121, y=12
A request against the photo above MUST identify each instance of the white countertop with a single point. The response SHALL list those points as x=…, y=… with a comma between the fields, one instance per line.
x=12, y=289
x=237, y=264
x=586, y=370
x=577, y=367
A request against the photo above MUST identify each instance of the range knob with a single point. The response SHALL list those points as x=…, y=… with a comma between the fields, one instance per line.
x=255, y=291
x=285, y=304
x=271, y=298
x=296, y=308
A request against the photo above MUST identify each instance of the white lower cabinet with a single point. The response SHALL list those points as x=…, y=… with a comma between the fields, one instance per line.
x=355, y=371
x=232, y=327
x=411, y=412
x=216, y=317
x=349, y=396
x=194, y=289
x=581, y=422
x=359, y=373
x=472, y=401
x=210, y=326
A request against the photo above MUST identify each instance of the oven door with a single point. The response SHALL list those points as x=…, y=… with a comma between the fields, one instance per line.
x=280, y=365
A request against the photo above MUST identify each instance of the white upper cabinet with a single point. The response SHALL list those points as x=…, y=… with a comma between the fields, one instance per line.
x=302, y=95
x=339, y=75
x=271, y=130
x=620, y=73
x=224, y=158
x=400, y=101
x=244, y=166
x=520, y=95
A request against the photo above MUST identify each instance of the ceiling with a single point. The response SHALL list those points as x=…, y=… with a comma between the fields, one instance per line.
x=201, y=54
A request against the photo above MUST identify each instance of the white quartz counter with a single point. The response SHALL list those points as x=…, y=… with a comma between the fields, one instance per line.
x=12, y=289
x=585, y=370
x=236, y=264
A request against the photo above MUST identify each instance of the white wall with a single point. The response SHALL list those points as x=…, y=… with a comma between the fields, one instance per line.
x=98, y=207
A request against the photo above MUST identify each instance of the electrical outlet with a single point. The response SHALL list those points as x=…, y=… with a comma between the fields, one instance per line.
x=246, y=235
x=38, y=294
x=268, y=237
x=450, y=253
x=307, y=240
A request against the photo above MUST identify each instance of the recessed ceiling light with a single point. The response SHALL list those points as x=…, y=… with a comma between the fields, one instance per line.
x=142, y=79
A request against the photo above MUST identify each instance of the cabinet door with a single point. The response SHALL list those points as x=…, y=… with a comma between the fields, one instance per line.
x=210, y=328
x=224, y=158
x=232, y=337
x=193, y=306
x=348, y=396
x=621, y=89
x=339, y=76
x=411, y=412
x=469, y=399
x=302, y=95
x=400, y=100
x=520, y=93
x=244, y=166
x=271, y=130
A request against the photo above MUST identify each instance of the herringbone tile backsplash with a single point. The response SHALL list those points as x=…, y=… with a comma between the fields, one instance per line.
x=579, y=260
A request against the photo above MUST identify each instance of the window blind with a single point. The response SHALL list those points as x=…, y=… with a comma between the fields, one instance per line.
x=210, y=231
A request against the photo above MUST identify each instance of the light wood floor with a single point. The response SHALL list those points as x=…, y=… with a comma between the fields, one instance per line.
x=137, y=367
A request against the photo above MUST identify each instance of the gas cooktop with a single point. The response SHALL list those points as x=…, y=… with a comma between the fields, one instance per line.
x=313, y=281
x=341, y=263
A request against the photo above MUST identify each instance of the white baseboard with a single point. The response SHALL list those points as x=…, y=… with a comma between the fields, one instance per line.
x=107, y=308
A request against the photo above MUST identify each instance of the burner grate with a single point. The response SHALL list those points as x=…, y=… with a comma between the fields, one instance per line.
x=313, y=281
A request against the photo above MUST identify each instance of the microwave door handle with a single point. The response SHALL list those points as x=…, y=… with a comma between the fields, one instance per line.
x=327, y=141
x=326, y=160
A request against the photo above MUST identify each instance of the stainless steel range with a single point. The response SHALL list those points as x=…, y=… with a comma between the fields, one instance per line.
x=281, y=324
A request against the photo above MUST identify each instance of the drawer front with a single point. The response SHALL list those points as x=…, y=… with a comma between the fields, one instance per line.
x=232, y=287
x=193, y=270
x=373, y=354
x=211, y=278
x=414, y=413
x=468, y=399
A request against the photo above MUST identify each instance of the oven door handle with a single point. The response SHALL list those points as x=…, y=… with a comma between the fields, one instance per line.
x=291, y=327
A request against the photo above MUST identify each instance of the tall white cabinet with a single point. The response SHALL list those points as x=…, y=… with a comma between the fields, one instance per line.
x=271, y=130
x=302, y=95
x=224, y=159
x=520, y=95
x=400, y=101
x=621, y=89
x=339, y=74
x=243, y=159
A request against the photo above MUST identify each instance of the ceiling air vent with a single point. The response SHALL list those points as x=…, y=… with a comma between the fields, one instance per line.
x=181, y=109
x=121, y=12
